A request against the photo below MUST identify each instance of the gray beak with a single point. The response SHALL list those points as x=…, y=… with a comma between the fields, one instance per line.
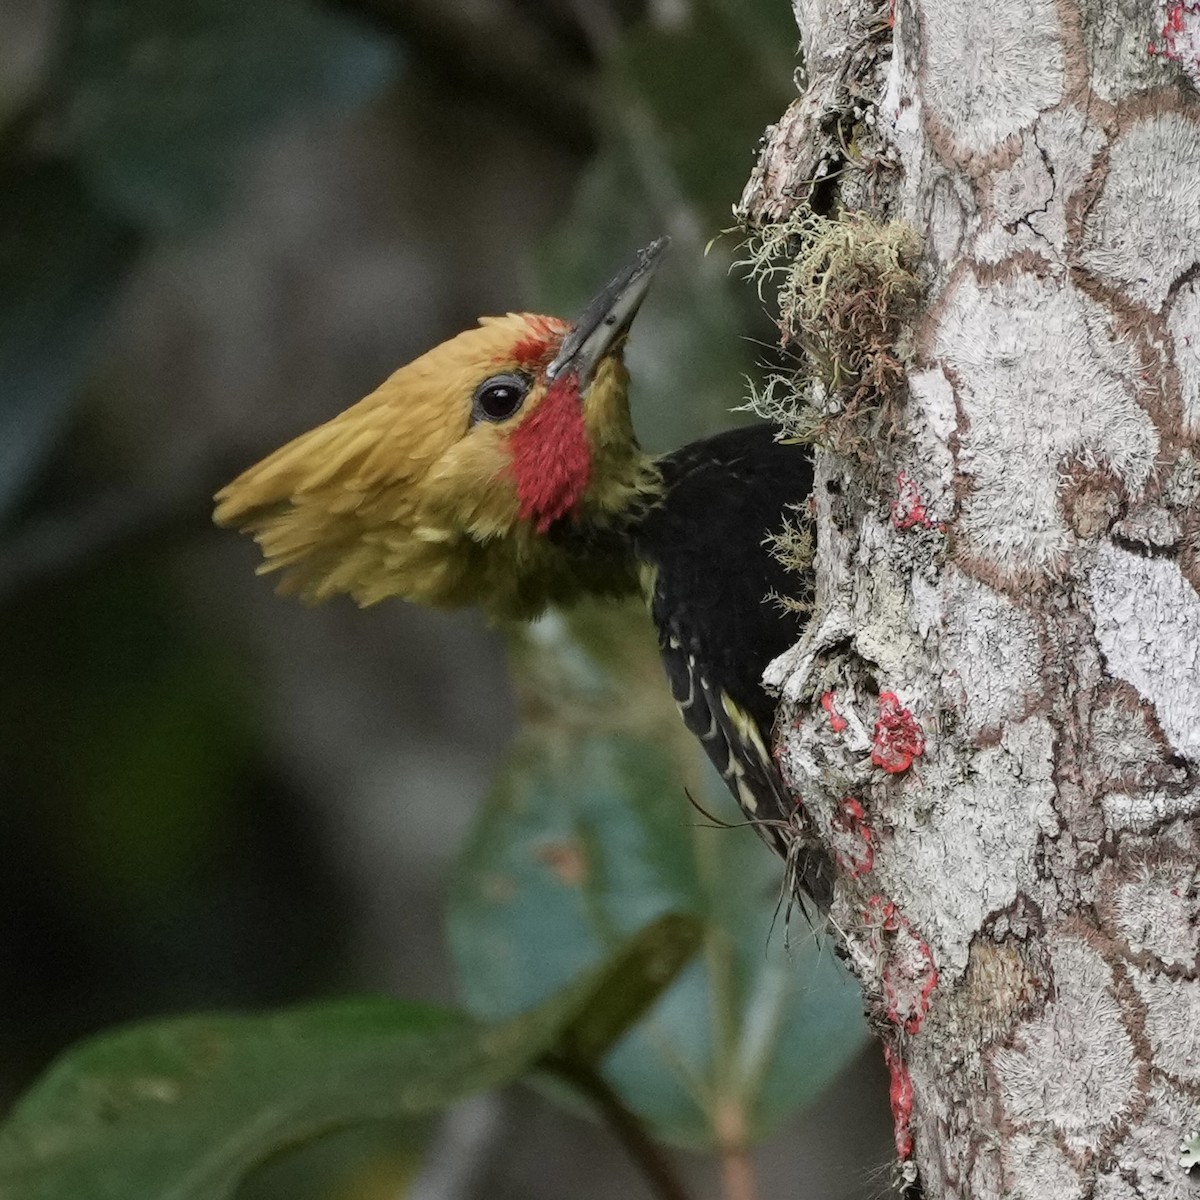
x=608, y=317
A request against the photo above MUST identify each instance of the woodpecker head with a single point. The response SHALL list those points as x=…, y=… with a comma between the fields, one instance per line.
x=459, y=480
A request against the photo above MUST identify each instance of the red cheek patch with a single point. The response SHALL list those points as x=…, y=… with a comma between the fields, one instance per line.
x=551, y=457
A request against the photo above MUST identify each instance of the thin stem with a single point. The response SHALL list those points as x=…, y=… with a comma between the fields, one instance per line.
x=738, y=1181
x=646, y=1154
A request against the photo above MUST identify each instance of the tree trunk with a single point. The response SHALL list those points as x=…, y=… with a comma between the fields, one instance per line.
x=993, y=719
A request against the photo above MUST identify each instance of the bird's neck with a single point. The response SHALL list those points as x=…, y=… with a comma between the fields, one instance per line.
x=626, y=483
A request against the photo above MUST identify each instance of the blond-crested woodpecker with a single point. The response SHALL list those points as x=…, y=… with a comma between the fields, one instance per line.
x=501, y=469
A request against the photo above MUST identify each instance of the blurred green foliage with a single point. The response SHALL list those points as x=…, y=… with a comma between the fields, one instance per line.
x=182, y=1109
x=162, y=98
x=62, y=261
x=155, y=107
x=587, y=837
x=132, y=707
x=680, y=111
x=701, y=94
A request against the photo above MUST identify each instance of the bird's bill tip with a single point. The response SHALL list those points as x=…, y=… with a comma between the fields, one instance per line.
x=609, y=316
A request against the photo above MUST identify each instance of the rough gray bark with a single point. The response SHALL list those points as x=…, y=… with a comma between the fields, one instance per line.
x=993, y=720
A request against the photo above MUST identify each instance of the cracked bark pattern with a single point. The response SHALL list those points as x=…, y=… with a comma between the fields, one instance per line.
x=1011, y=594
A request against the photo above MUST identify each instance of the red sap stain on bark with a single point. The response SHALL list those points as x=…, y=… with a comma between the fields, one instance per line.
x=908, y=509
x=851, y=838
x=836, y=721
x=900, y=1093
x=1180, y=34
x=897, y=739
x=551, y=457
x=909, y=973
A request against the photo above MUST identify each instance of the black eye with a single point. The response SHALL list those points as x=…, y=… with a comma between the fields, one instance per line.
x=499, y=397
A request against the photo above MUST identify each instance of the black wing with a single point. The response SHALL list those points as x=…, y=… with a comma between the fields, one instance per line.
x=707, y=543
x=731, y=737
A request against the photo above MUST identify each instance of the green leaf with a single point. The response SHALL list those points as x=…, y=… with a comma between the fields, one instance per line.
x=627, y=986
x=375, y=1161
x=181, y=1109
x=589, y=835
x=162, y=97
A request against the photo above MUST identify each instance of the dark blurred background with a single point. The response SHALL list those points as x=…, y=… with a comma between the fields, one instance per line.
x=223, y=222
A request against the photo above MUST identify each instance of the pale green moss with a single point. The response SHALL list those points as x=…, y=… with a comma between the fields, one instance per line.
x=846, y=289
x=794, y=546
